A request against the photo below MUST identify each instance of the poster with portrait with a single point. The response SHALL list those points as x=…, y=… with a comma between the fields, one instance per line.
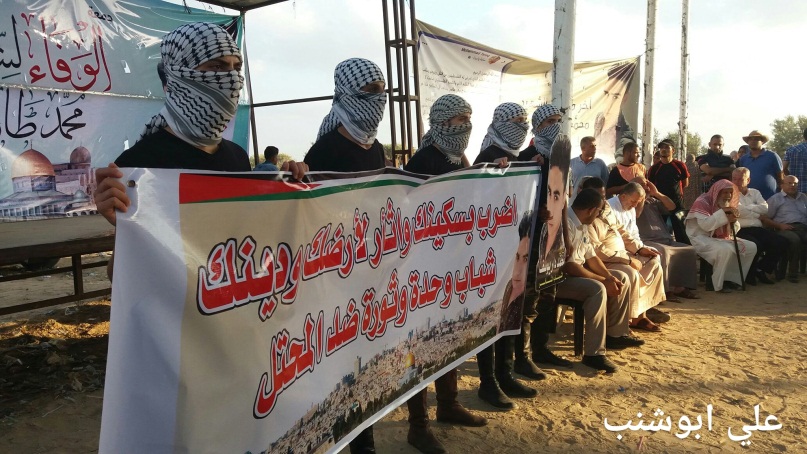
x=551, y=205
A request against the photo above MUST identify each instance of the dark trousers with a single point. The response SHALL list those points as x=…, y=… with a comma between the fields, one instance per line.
x=797, y=239
x=679, y=229
x=770, y=247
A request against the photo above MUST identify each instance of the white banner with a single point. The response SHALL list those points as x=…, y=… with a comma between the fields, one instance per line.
x=251, y=314
x=605, y=94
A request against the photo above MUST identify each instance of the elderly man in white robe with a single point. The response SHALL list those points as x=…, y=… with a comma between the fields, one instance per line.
x=620, y=249
x=709, y=227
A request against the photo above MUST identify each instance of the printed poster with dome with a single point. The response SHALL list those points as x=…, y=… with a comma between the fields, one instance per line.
x=78, y=82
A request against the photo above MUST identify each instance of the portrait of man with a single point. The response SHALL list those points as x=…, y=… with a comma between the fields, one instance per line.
x=552, y=252
x=513, y=299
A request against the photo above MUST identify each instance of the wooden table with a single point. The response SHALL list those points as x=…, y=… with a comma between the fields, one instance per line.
x=55, y=238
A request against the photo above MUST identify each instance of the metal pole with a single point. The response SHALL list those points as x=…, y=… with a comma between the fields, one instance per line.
x=649, y=57
x=563, y=60
x=252, y=123
x=682, y=117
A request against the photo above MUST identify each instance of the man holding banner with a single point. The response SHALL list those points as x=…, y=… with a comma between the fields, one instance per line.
x=441, y=151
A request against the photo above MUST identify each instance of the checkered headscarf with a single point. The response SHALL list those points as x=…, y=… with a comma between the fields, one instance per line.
x=450, y=140
x=504, y=133
x=359, y=112
x=198, y=104
x=545, y=136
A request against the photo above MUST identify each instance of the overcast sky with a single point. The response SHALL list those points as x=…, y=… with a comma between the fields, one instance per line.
x=746, y=56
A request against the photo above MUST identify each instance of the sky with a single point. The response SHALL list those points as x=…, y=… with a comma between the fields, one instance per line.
x=746, y=65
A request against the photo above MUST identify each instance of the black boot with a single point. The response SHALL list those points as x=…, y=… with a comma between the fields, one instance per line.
x=504, y=349
x=523, y=364
x=364, y=443
x=541, y=353
x=449, y=410
x=489, y=390
x=420, y=436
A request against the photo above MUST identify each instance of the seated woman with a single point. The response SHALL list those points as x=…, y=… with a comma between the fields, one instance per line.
x=709, y=229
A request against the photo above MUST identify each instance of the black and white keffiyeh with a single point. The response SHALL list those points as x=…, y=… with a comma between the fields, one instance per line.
x=198, y=104
x=505, y=134
x=359, y=112
x=450, y=140
x=544, y=137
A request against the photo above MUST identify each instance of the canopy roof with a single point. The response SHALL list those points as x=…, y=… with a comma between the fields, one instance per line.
x=242, y=5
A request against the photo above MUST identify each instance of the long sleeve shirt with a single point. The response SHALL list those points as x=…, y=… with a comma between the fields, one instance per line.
x=751, y=207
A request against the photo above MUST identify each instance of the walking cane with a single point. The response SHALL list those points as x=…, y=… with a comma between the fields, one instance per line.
x=737, y=251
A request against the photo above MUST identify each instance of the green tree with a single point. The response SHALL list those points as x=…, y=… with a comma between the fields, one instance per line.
x=786, y=132
x=694, y=144
x=283, y=157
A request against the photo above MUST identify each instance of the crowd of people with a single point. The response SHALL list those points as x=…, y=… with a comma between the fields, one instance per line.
x=627, y=239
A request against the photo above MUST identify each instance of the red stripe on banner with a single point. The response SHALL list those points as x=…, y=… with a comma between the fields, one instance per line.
x=195, y=188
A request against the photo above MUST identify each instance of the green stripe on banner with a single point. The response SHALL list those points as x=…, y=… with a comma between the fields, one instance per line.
x=353, y=187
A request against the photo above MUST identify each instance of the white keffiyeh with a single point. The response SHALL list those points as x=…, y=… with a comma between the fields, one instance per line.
x=198, y=104
x=451, y=140
x=505, y=134
x=358, y=111
x=544, y=137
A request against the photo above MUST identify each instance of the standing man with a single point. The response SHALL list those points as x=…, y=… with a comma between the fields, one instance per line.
x=347, y=142
x=671, y=177
x=795, y=162
x=202, y=68
x=625, y=171
x=586, y=164
x=270, y=164
x=714, y=164
x=441, y=151
x=788, y=211
x=765, y=165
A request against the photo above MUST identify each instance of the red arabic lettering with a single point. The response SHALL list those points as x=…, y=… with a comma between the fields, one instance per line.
x=289, y=360
x=222, y=285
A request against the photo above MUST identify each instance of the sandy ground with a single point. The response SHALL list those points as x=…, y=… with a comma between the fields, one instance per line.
x=733, y=351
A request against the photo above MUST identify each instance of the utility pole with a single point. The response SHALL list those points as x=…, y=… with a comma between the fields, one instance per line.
x=682, y=117
x=563, y=60
x=649, y=57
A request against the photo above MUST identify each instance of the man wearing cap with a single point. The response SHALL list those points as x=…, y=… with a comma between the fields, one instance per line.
x=714, y=164
x=765, y=165
x=795, y=162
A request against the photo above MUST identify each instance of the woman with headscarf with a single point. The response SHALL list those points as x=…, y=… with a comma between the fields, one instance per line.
x=346, y=142
x=443, y=146
x=709, y=230
x=505, y=135
x=441, y=152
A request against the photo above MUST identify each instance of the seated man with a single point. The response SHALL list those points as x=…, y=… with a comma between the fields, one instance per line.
x=710, y=223
x=753, y=215
x=621, y=250
x=678, y=260
x=604, y=293
x=788, y=212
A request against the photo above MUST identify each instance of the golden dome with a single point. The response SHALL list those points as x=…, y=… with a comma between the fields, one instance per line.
x=410, y=360
x=80, y=155
x=31, y=163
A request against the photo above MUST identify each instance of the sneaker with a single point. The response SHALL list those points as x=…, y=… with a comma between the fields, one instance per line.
x=656, y=316
x=600, y=362
x=545, y=356
x=618, y=343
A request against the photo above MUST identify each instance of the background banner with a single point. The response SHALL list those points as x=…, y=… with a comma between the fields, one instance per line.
x=258, y=315
x=605, y=93
x=78, y=83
